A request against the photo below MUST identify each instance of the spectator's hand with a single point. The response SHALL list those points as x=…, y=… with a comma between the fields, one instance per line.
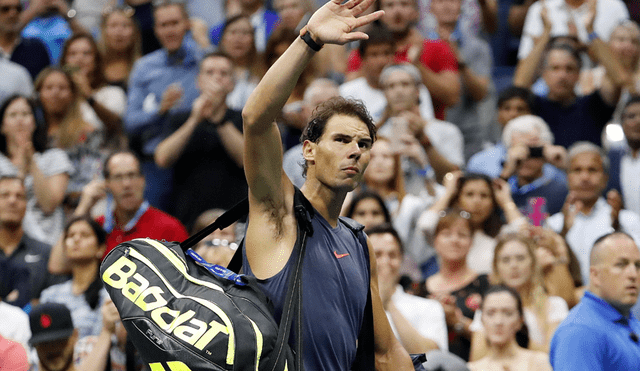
x=544, y=258
x=170, y=97
x=93, y=192
x=615, y=201
x=515, y=156
x=452, y=313
x=451, y=182
x=202, y=107
x=555, y=155
x=217, y=91
x=81, y=81
x=572, y=206
x=590, y=17
x=411, y=148
x=544, y=16
x=415, y=122
x=60, y=6
x=110, y=316
x=502, y=192
x=25, y=152
x=334, y=22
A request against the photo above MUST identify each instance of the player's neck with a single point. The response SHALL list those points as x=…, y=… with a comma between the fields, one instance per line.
x=326, y=201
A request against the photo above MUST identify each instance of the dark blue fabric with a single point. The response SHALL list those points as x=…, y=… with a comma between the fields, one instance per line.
x=550, y=190
x=334, y=295
x=584, y=119
x=615, y=159
x=32, y=54
x=595, y=336
x=270, y=19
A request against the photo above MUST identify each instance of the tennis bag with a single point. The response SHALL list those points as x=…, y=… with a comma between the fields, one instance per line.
x=183, y=314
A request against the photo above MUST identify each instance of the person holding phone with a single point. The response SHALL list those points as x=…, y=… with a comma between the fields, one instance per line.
x=533, y=168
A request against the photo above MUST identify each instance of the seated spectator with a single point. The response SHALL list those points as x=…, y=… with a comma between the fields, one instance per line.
x=218, y=247
x=205, y=146
x=16, y=247
x=14, y=294
x=571, y=118
x=45, y=172
x=512, y=102
x=586, y=214
x=15, y=80
x=515, y=265
x=564, y=18
x=456, y=286
x=426, y=142
x=482, y=199
x=84, y=243
x=503, y=320
x=434, y=59
x=13, y=356
x=263, y=21
x=102, y=105
x=600, y=333
x=318, y=91
x=368, y=208
x=31, y=53
x=128, y=215
x=119, y=45
x=161, y=83
x=49, y=21
x=417, y=322
x=624, y=169
x=237, y=41
x=532, y=167
x=474, y=67
x=476, y=17
x=625, y=47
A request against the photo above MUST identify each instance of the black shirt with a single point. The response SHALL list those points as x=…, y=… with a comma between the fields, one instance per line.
x=31, y=54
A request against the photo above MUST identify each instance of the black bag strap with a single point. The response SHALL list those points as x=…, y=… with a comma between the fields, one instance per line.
x=223, y=221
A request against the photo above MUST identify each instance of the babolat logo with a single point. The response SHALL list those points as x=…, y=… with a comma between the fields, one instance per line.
x=122, y=275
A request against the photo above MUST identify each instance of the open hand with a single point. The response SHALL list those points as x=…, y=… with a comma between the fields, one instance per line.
x=614, y=199
x=170, y=97
x=334, y=22
x=572, y=206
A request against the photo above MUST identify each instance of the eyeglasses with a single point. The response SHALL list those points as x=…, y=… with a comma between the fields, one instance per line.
x=125, y=9
x=216, y=242
x=119, y=178
x=463, y=214
x=7, y=8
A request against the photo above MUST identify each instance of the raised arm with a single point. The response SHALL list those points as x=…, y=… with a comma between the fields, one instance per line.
x=527, y=67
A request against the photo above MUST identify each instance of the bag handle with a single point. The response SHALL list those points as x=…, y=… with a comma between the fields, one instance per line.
x=223, y=221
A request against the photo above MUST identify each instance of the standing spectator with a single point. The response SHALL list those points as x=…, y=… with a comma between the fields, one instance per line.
x=16, y=247
x=205, y=146
x=625, y=47
x=512, y=102
x=478, y=17
x=503, y=321
x=377, y=53
x=23, y=154
x=30, y=53
x=418, y=323
x=474, y=67
x=161, y=83
x=127, y=214
x=103, y=105
x=15, y=80
x=434, y=59
x=599, y=333
x=237, y=42
x=52, y=22
x=586, y=214
x=533, y=167
x=120, y=45
x=566, y=18
x=83, y=244
x=624, y=166
x=571, y=118
x=262, y=20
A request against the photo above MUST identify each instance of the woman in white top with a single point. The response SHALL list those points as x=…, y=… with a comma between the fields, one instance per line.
x=483, y=199
x=515, y=265
x=503, y=320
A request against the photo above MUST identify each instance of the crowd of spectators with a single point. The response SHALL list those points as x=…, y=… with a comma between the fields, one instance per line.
x=508, y=144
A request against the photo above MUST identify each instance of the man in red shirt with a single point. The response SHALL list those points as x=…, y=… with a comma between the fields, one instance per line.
x=434, y=58
x=128, y=215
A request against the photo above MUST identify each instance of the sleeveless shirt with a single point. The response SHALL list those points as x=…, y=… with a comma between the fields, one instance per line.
x=334, y=295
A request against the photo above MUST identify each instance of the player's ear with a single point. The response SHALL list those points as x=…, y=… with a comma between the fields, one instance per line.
x=309, y=151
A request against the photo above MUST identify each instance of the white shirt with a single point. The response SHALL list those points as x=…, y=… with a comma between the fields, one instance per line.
x=609, y=13
x=587, y=229
x=14, y=79
x=425, y=315
x=14, y=324
x=557, y=311
x=629, y=172
x=375, y=101
x=112, y=98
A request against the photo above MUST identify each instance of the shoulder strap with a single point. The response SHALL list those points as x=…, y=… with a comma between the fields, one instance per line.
x=365, y=355
x=223, y=221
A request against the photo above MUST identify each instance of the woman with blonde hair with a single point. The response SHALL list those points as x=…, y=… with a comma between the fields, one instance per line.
x=515, y=265
x=120, y=44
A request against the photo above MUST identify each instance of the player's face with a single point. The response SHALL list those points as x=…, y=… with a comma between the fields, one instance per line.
x=342, y=153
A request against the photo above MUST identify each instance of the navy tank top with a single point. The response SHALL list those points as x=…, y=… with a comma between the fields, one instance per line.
x=334, y=283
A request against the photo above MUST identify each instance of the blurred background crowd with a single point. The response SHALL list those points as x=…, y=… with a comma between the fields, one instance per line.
x=508, y=143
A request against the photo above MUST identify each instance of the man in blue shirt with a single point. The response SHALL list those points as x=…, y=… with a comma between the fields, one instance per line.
x=161, y=83
x=600, y=333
